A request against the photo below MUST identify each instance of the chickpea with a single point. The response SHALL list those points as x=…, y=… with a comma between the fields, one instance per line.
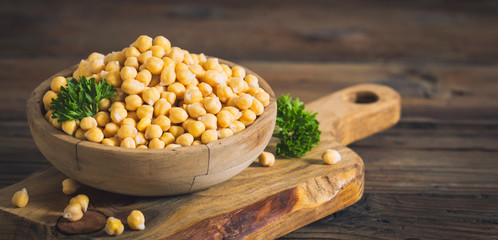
x=143, y=43
x=196, y=128
x=87, y=123
x=209, y=136
x=80, y=134
x=143, y=57
x=169, y=146
x=234, y=111
x=151, y=95
x=176, y=54
x=96, y=65
x=131, y=52
x=154, y=65
x=227, y=70
x=110, y=129
x=244, y=101
x=196, y=110
x=143, y=124
x=214, y=78
x=163, y=122
x=202, y=58
x=145, y=111
x=116, y=56
x=186, y=123
x=248, y=117
x=144, y=76
x=128, y=143
x=238, y=71
x=104, y=104
x=160, y=89
x=132, y=86
x=95, y=55
x=196, y=69
x=187, y=59
x=112, y=141
x=163, y=42
x=95, y=135
x=195, y=58
x=116, y=105
x=113, y=226
x=185, y=139
x=210, y=121
x=140, y=139
x=69, y=186
x=113, y=78
x=128, y=73
x=127, y=130
x=205, y=89
x=238, y=85
x=213, y=64
x=225, y=118
x=252, y=81
x=118, y=114
x=131, y=62
x=224, y=133
x=181, y=67
x=157, y=51
x=69, y=127
x=102, y=118
x=55, y=122
x=133, y=101
x=196, y=142
x=224, y=93
x=168, y=62
x=176, y=131
x=177, y=115
x=185, y=77
x=73, y=212
x=263, y=97
x=213, y=105
x=192, y=96
x=20, y=198
x=142, y=147
x=161, y=107
x=169, y=96
x=168, y=76
x=155, y=80
x=237, y=126
x=153, y=131
x=257, y=107
x=47, y=99
x=331, y=156
x=167, y=138
x=57, y=83
x=156, y=143
x=266, y=159
x=48, y=115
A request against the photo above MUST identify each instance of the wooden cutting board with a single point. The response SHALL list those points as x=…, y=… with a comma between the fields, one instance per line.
x=259, y=203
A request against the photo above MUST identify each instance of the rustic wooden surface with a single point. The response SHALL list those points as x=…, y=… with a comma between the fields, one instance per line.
x=434, y=175
x=259, y=203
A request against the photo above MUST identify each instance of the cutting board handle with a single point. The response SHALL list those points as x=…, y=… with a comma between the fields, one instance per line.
x=357, y=112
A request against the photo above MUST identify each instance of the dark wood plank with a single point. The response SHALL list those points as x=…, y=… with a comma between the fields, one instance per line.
x=456, y=31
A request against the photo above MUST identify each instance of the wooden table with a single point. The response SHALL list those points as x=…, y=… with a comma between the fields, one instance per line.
x=434, y=175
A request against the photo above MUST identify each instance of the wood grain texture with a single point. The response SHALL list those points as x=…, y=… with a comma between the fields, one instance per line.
x=289, y=195
x=434, y=175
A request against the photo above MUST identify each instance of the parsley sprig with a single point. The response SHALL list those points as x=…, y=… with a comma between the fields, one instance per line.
x=80, y=98
x=297, y=128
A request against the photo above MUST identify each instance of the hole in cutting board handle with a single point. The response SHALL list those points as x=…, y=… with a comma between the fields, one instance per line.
x=365, y=97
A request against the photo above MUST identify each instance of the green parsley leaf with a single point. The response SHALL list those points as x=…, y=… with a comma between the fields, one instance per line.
x=297, y=128
x=80, y=99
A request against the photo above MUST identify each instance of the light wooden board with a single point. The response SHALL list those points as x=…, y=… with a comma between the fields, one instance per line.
x=259, y=203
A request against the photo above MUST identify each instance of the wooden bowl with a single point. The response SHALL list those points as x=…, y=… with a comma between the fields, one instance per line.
x=149, y=172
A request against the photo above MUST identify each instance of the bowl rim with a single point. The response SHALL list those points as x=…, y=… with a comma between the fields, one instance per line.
x=35, y=109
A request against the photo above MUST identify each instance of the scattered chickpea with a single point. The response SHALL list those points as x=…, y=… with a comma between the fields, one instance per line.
x=82, y=200
x=136, y=220
x=69, y=186
x=20, y=198
x=73, y=212
x=331, y=156
x=266, y=159
x=113, y=226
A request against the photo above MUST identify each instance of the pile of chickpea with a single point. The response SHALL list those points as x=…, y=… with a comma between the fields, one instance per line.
x=166, y=97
